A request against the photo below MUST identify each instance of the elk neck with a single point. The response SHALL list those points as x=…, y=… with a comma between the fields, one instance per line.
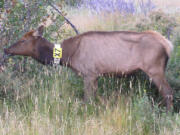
x=44, y=51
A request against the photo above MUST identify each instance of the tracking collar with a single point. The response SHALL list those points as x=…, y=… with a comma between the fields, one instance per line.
x=57, y=53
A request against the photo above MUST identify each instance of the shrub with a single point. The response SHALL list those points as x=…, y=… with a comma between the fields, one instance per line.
x=157, y=21
x=19, y=18
x=72, y=2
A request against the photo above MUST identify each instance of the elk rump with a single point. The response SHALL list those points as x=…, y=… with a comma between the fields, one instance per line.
x=94, y=53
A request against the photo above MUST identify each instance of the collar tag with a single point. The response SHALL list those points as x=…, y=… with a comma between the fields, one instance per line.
x=57, y=53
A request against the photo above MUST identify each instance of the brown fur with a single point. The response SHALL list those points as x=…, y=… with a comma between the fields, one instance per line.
x=166, y=43
x=28, y=34
x=99, y=53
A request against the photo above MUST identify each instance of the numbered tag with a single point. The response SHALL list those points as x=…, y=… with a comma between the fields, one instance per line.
x=57, y=51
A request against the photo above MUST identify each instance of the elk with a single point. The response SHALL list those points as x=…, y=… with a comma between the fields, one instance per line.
x=97, y=53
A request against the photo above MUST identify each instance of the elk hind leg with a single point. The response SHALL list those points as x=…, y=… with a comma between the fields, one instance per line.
x=90, y=88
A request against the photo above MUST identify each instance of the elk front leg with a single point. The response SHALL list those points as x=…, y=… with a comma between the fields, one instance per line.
x=165, y=90
x=90, y=88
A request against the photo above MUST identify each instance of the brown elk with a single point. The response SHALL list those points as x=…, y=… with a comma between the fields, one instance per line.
x=92, y=54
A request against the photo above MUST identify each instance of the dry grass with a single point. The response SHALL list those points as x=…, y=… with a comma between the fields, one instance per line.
x=85, y=20
x=88, y=21
x=121, y=119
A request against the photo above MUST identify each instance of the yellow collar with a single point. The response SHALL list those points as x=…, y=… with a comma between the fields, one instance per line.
x=57, y=53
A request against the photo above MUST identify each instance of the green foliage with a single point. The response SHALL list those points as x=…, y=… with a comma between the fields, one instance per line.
x=1, y=3
x=157, y=21
x=25, y=16
x=173, y=70
x=71, y=2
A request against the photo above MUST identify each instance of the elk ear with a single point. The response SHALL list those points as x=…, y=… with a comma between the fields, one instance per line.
x=39, y=31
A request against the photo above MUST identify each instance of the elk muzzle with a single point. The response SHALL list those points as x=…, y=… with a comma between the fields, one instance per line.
x=7, y=52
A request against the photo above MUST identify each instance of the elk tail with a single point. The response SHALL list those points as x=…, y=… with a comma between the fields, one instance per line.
x=168, y=47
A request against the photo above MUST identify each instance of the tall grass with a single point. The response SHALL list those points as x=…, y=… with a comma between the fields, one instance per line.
x=50, y=102
x=51, y=106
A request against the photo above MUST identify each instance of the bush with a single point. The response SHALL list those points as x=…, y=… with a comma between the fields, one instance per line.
x=72, y=2
x=158, y=21
x=18, y=18
x=1, y=3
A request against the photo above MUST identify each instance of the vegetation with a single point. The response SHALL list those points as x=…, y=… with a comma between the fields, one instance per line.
x=38, y=100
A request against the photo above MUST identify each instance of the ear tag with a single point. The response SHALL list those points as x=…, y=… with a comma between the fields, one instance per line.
x=57, y=53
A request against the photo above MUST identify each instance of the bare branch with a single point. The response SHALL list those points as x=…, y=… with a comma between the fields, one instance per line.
x=54, y=7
